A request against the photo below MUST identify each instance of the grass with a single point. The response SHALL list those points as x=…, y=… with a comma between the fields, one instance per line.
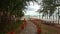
x=46, y=29
x=10, y=27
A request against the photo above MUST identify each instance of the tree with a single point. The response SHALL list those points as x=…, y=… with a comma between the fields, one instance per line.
x=8, y=8
x=48, y=6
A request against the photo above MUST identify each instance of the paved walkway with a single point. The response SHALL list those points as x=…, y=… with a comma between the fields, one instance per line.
x=30, y=29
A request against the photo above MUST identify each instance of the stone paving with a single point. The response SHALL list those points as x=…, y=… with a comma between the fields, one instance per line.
x=30, y=29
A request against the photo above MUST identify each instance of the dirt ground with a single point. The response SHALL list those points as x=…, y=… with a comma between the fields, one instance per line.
x=47, y=29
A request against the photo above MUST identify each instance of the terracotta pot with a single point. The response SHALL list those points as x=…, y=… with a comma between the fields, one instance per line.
x=38, y=30
x=12, y=32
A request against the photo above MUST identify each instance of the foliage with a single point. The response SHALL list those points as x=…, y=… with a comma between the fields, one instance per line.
x=8, y=8
x=48, y=5
x=13, y=6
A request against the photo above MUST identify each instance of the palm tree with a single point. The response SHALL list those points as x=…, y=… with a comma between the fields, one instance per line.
x=49, y=7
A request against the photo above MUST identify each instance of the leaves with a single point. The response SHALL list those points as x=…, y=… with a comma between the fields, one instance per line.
x=9, y=11
x=48, y=5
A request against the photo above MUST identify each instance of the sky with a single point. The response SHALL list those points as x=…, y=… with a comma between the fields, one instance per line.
x=32, y=8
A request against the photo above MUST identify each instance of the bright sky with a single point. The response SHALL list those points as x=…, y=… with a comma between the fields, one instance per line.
x=32, y=8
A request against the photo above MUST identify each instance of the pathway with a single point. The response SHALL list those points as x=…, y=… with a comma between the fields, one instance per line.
x=30, y=28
